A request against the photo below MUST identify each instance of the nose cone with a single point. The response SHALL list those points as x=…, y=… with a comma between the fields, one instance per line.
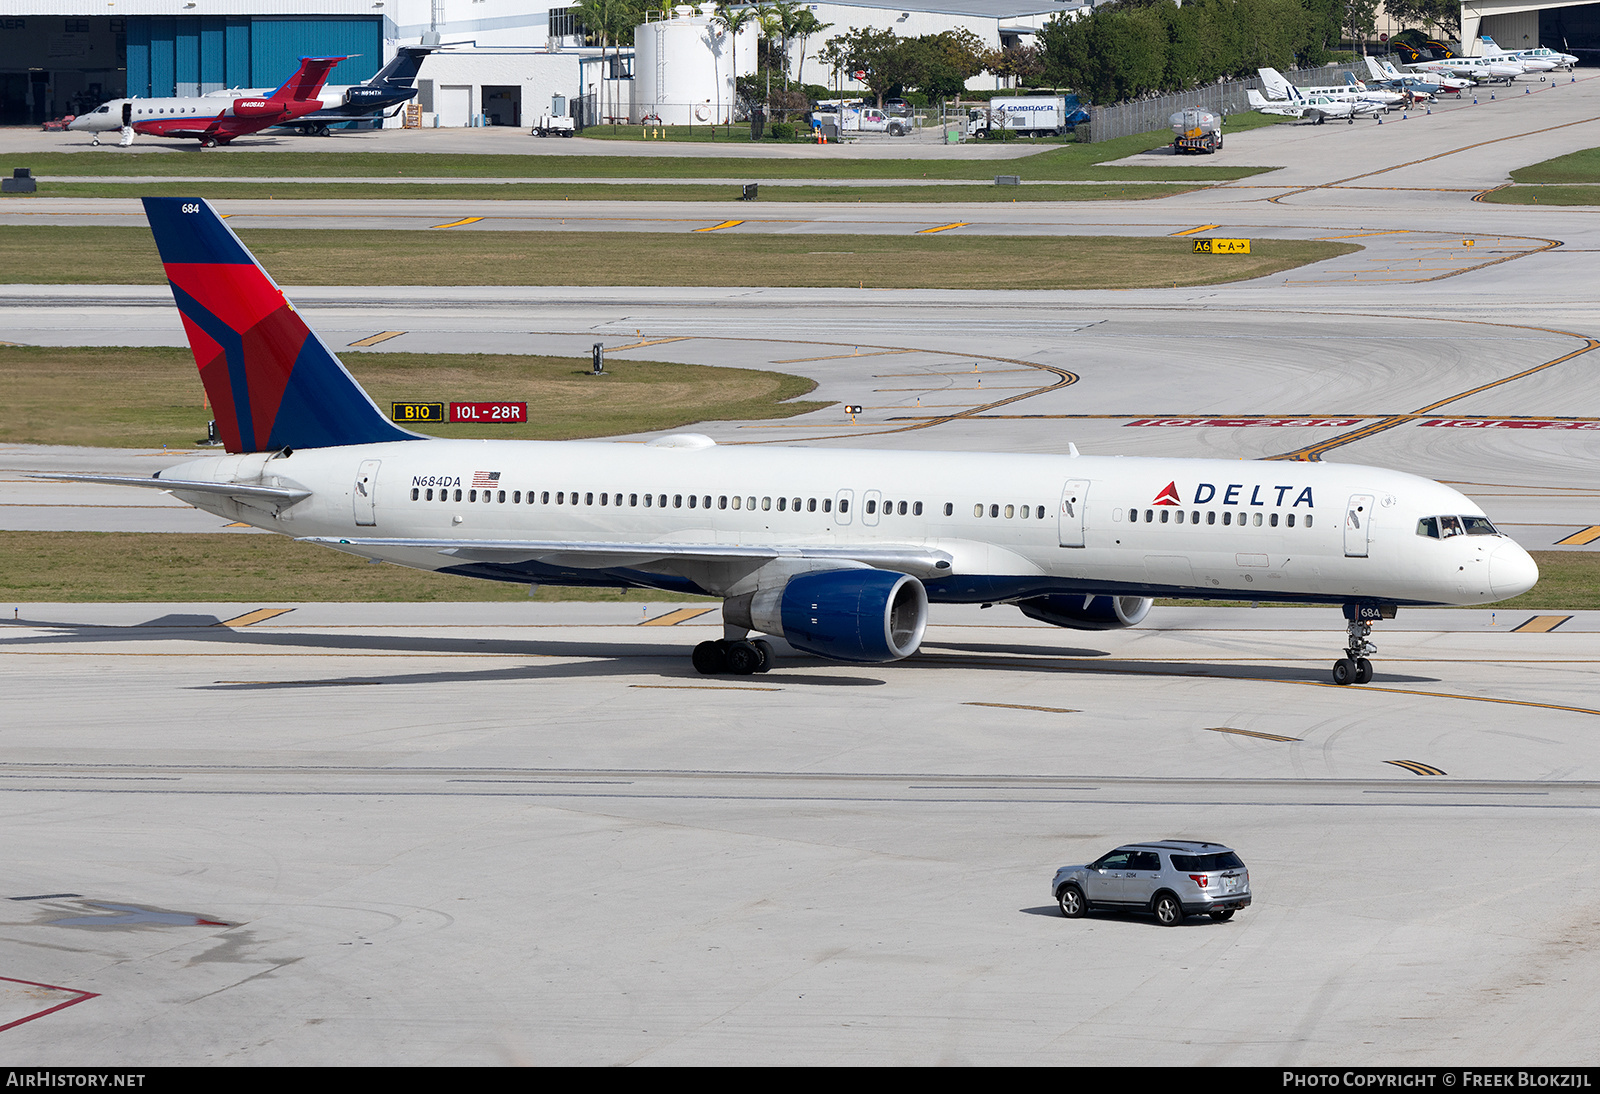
x=1511, y=572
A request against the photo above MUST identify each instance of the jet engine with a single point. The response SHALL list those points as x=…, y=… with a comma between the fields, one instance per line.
x=1087, y=613
x=847, y=615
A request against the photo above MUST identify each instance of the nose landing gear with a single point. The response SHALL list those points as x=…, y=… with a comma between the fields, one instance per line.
x=1353, y=667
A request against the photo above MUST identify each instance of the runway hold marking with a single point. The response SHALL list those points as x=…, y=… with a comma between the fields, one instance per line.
x=381, y=336
x=1239, y=423
x=1415, y=768
x=943, y=228
x=1579, y=539
x=250, y=619
x=1513, y=423
x=1541, y=624
x=1314, y=452
x=1196, y=231
x=459, y=223
x=1018, y=706
x=673, y=618
x=1253, y=733
x=719, y=227
x=78, y=992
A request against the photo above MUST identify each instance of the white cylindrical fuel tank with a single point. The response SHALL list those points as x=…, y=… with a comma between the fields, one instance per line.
x=683, y=70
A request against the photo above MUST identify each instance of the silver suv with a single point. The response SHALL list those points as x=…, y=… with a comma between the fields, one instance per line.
x=1170, y=878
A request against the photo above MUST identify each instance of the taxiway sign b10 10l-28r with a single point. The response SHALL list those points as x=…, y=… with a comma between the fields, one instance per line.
x=209, y=120
x=839, y=552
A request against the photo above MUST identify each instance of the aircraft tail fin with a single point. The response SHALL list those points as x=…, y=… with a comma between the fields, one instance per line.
x=1440, y=49
x=1274, y=82
x=272, y=382
x=1411, y=54
x=402, y=71
x=1372, y=68
x=307, y=82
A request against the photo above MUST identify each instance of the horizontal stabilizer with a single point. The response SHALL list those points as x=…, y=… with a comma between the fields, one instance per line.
x=184, y=486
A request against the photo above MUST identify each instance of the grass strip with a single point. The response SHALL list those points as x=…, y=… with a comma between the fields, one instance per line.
x=124, y=397
x=949, y=260
x=1056, y=162
x=1544, y=195
x=156, y=567
x=1574, y=167
x=565, y=191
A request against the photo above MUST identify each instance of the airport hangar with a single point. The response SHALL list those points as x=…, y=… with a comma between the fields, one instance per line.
x=503, y=60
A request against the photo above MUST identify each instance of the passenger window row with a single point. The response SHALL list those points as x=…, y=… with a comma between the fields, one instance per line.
x=659, y=501
x=1010, y=512
x=1229, y=517
x=706, y=501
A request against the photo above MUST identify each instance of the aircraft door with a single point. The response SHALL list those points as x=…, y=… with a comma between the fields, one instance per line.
x=869, y=506
x=127, y=115
x=841, y=505
x=1357, y=525
x=1074, y=497
x=366, y=492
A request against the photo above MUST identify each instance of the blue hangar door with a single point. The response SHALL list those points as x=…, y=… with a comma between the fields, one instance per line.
x=196, y=54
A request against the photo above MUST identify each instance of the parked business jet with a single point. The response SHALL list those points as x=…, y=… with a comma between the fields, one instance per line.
x=209, y=120
x=394, y=85
x=1386, y=75
x=1279, y=88
x=1543, y=55
x=1319, y=108
x=1443, y=59
x=839, y=552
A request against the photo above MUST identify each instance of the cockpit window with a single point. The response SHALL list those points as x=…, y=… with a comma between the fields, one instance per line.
x=1446, y=526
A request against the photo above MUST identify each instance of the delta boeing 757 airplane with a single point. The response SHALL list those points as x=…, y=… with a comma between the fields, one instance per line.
x=837, y=551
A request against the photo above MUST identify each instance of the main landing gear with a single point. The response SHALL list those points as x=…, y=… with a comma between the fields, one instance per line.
x=736, y=657
x=1353, y=667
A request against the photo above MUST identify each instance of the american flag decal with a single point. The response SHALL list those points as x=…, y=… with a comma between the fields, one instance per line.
x=485, y=478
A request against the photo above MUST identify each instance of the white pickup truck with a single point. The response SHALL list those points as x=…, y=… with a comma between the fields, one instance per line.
x=553, y=125
x=855, y=118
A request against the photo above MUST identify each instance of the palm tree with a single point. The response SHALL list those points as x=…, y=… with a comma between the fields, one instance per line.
x=778, y=20
x=805, y=25
x=733, y=20
x=611, y=21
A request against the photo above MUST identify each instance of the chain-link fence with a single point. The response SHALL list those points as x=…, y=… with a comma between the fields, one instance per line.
x=1148, y=115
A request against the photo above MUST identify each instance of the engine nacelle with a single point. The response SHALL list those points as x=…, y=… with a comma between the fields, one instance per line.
x=256, y=108
x=1087, y=613
x=857, y=614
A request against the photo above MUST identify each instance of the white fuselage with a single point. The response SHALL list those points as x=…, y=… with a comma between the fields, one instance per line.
x=1011, y=525
x=108, y=118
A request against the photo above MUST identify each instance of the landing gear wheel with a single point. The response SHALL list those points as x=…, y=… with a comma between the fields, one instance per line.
x=1222, y=917
x=209, y=142
x=1070, y=898
x=1344, y=671
x=1169, y=912
x=95, y=142
x=741, y=658
x=1363, y=670
x=708, y=659
x=764, y=648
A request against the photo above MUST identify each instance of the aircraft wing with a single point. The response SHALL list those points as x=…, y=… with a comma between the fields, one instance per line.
x=918, y=561
x=223, y=489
